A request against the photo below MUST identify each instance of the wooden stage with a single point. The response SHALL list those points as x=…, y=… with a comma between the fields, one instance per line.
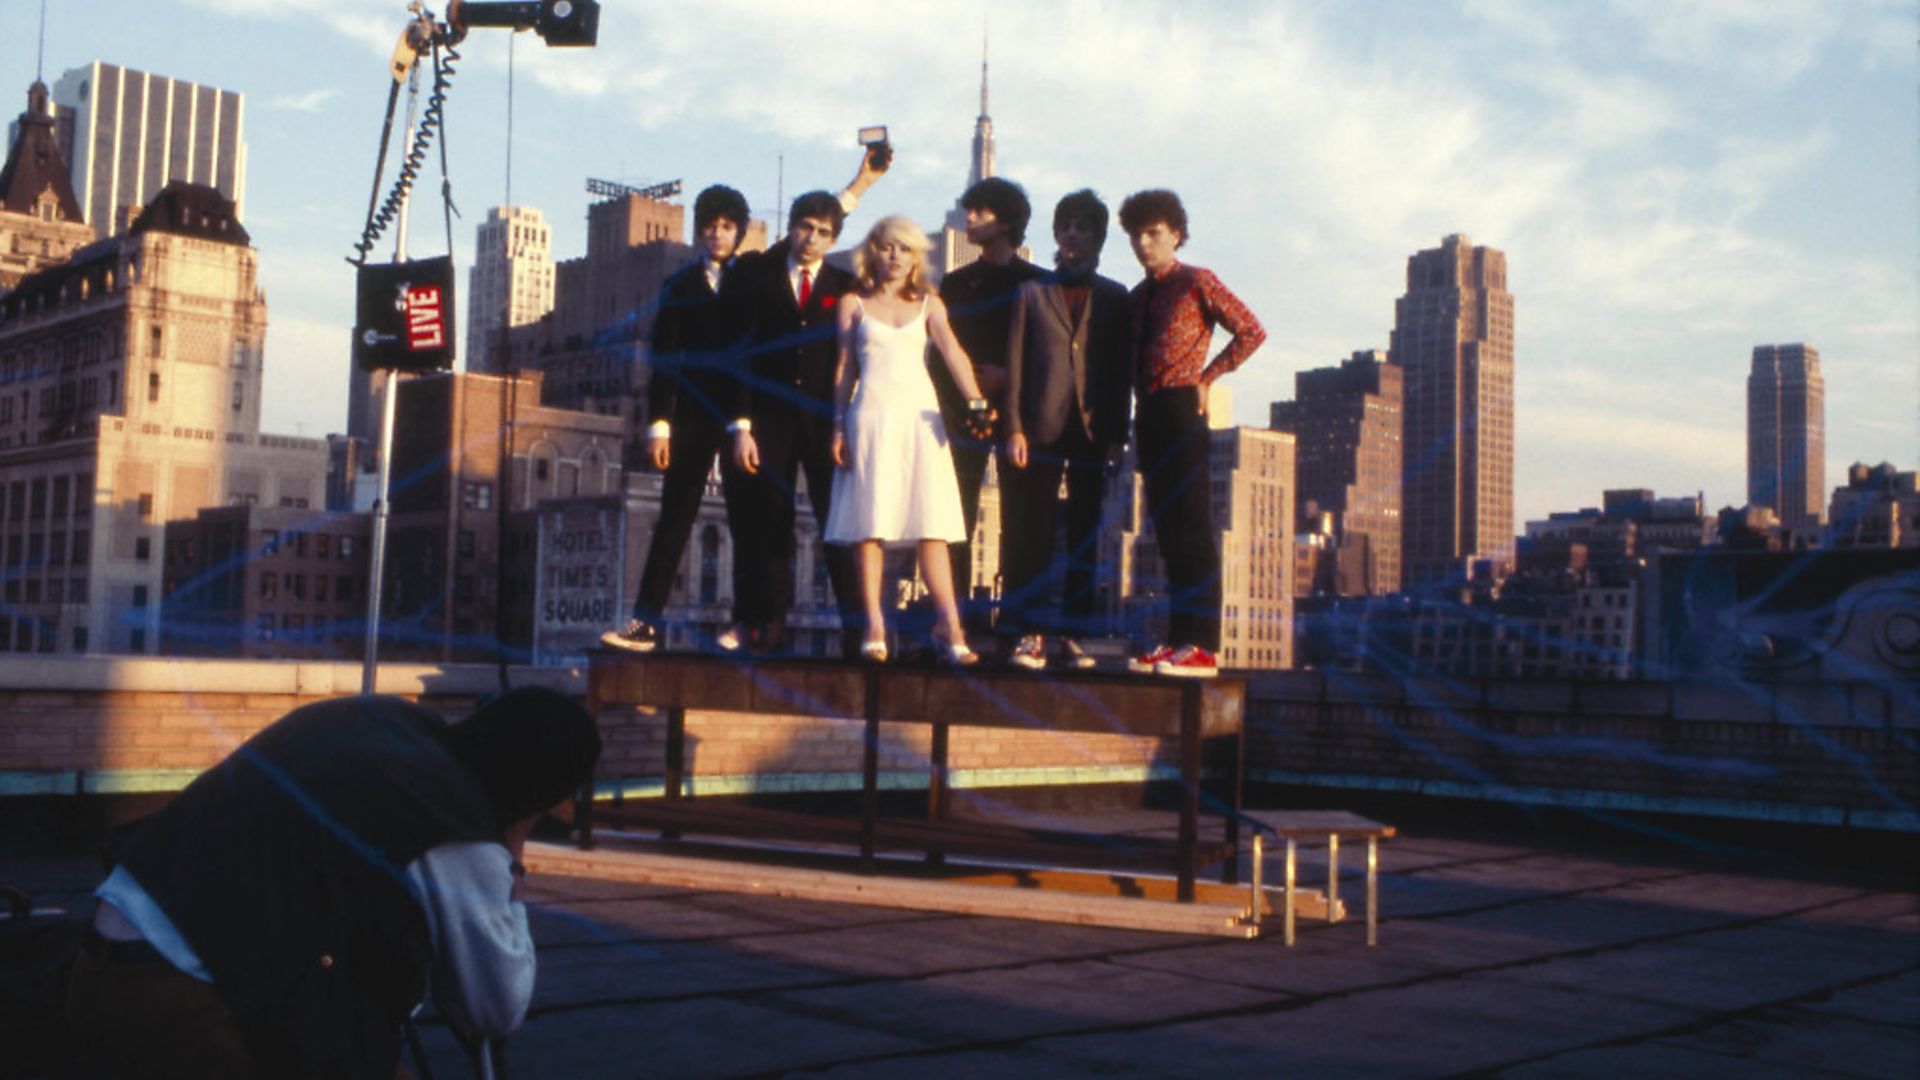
x=1204, y=716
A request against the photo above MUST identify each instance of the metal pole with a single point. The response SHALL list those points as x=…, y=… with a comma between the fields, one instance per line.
x=370, y=662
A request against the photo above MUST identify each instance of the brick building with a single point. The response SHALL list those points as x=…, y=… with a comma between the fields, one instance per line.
x=259, y=581
x=1347, y=425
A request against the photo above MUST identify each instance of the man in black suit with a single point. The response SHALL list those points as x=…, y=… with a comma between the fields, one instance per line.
x=781, y=303
x=1069, y=383
x=689, y=400
x=979, y=299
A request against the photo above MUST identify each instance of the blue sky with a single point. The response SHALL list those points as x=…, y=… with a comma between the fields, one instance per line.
x=1673, y=182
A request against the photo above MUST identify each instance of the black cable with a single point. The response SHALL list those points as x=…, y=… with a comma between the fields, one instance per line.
x=379, y=219
x=436, y=107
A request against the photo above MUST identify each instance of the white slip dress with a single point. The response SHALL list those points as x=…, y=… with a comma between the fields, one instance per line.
x=899, y=487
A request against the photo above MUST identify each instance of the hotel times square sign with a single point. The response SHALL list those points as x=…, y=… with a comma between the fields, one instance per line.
x=580, y=568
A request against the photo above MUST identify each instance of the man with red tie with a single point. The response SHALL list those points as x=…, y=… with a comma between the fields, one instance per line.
x=782, y=303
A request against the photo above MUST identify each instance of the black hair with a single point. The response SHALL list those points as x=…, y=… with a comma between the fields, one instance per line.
x=1006, y=199
x=1083, y=205
x=531, y=747
x=720, y=201
x=818, y=204
x=1143, y=208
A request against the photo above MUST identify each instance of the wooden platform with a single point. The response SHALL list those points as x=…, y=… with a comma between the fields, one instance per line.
x=1082, y=898
x=1202, y=715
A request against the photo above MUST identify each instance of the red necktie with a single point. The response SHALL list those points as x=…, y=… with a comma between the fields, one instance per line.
x=806, y=285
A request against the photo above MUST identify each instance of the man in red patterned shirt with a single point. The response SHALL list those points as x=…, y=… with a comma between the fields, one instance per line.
x=1175, y=310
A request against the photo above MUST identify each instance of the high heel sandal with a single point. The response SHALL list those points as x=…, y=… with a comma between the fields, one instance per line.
x=953, y=654
x=873, y=652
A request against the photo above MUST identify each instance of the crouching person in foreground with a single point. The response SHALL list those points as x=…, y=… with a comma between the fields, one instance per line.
x=282, y=915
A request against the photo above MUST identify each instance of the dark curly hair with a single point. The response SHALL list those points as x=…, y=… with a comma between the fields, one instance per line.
x=720, y=201
x=1083, y=205
x=1142, y=208
x=1006, y=199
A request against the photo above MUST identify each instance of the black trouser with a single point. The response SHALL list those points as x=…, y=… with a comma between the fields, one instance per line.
x=791, y=442
x=691, y=448
x=1029, y=509
x=1174, y=447
x=970, y=469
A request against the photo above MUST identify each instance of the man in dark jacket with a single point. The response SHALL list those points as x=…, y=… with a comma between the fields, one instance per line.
x=1069, y=377
x=690, y=393
x=781, y=304
x=280, y=917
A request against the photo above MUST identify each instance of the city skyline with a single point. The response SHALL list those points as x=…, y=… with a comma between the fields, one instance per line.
x=1671, y=189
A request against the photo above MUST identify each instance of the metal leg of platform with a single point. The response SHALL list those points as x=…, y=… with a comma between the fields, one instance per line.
x=1286, y=916
x=1373, y=888
x=1333, y=877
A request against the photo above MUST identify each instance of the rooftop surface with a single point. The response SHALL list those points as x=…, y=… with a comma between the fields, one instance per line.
x=1513, y=951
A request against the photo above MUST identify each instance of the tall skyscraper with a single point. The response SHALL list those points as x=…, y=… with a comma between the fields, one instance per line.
x=1348, y=424
x=511, y=282
x=1453, y=337
x=127, y=134
x=951, y=248
x=1787, y=434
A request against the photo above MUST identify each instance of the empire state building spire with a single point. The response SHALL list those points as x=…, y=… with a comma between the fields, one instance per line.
x=982, y=127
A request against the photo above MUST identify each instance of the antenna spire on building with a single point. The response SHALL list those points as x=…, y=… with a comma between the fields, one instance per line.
x=983, y=127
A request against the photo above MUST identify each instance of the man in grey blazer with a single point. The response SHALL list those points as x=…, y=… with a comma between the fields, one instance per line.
x=1069, y=385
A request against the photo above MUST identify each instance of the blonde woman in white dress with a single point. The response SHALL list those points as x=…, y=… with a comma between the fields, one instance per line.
x=895, y=486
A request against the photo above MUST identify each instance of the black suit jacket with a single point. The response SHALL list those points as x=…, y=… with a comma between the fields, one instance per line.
x=786, y=353
x=688, y=353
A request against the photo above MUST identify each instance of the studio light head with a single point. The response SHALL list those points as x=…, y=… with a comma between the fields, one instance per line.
x=558, y=22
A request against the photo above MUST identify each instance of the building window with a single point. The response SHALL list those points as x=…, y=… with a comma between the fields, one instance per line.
x=296, y=585
x=346, y=547
x=61, y=490
x=142, y=548
x=466, y=543
x=146, y=506
x=270, y=542
x=239, y=394
x=82, y=496
x=320, y=545
x=139, y=596
x=268, y=583
x=342, y=588
x=57, y=549
x=476, y=496
x=264, y=625
x=79, y=639
x=153, y=386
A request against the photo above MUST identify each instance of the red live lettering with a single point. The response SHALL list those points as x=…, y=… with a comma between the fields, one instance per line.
x=425, y=327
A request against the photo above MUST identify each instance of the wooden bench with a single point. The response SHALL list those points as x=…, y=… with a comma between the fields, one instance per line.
x=1200, y=714
x=1296, y=825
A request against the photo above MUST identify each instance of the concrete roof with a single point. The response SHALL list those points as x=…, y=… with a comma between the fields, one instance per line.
x=1517, y=954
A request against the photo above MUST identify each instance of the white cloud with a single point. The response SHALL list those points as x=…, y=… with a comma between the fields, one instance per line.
x=309, y=102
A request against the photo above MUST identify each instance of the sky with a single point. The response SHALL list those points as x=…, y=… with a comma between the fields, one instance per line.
x=1673, y=181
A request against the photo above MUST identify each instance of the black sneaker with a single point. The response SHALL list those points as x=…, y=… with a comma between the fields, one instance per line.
x=637, y=636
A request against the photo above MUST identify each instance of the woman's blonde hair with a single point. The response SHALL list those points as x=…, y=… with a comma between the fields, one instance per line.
x=900, y=229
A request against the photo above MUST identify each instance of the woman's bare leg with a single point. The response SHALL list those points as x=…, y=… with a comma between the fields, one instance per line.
x=872, y=562
x=936, y=568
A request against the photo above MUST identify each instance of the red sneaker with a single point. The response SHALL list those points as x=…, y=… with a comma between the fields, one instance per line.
x=1147, y=663
x=1189, y=662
